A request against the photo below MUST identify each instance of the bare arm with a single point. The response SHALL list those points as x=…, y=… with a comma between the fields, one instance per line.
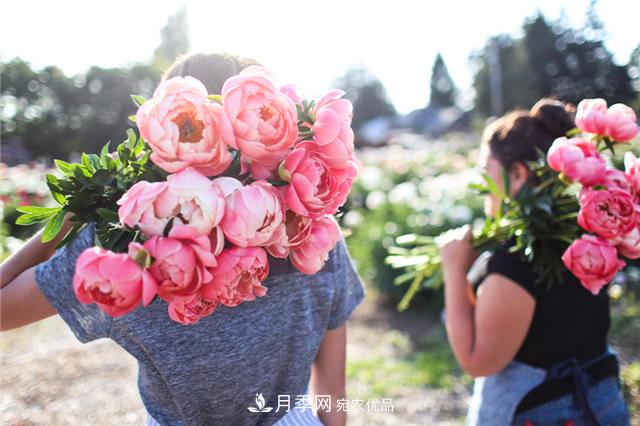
x=328, y=374
x=485, y=333
x=33, y=252
x=487, y=336
x=21, y=302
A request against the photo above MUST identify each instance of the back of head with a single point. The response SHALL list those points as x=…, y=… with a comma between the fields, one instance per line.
x=211, y=69
x=518, y=135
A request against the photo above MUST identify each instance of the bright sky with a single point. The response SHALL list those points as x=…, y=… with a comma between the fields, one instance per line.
x=305, y=43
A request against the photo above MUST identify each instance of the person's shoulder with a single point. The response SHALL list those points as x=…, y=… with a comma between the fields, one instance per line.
x=514, y=266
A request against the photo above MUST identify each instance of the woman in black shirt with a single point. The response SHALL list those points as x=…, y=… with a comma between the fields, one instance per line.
x=540, y=352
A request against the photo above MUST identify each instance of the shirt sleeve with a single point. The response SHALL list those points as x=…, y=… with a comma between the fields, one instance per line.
x=349, y=292
x=54, y=278
x=512, y=266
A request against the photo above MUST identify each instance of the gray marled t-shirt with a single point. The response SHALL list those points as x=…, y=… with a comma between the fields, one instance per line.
x=210, y=373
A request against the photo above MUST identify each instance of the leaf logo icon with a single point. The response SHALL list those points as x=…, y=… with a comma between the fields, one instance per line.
x=260, y=403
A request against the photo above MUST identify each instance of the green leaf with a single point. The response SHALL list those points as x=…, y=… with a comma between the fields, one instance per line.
x=59, y=198
x=95, y=161
x=132, y=118
x=64, y=167
x=107, y=214
x=86, y=163
x=102, y=177
x=53, y=227
x=138, y=100
x=215, y=98
x=131, y=138
x=37, y=210
x=105, y=150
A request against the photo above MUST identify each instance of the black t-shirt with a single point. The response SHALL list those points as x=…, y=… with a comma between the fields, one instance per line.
x=568, y=320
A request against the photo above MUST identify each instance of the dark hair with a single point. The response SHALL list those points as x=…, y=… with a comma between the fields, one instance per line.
x=211, y=69
x=516, y=136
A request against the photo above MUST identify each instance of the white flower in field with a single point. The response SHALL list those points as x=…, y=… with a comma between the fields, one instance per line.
x=403, y=193
x=375, y=199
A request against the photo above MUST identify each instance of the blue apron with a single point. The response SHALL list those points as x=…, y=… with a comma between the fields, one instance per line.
x=496, y=398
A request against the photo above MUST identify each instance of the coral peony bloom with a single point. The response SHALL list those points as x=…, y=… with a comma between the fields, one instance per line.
x=264, y=121
x=319, y=182
x=191, y=309
x=629, y=245
x=621, y=123
x=184, y=128
x=608, y=213
x=238, y=277
x=577, y=159
x=333, y=120
x=594, y=261
x=181, y=262
x=632, y=169
x=591, y=116
x=187, y=198
x=254, y=216
x=310, y=256
x=616, y=179
x=113, y=281
x=137, y=207
x=298, y=229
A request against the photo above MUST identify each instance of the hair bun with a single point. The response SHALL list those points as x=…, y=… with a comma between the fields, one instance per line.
x=554, y=116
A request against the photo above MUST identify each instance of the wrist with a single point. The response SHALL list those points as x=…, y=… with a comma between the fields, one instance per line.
x=454, y=274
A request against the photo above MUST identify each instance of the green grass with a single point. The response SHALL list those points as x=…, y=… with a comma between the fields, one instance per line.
x=434, y=366
x=631, y=386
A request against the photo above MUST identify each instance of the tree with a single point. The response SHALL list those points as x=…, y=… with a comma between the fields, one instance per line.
x=174, y=40
x=367, y=93
x=553, y=60
x=443, y=91
x=634, y=72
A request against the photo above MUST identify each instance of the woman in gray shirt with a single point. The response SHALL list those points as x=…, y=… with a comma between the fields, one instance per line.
x=252, y=364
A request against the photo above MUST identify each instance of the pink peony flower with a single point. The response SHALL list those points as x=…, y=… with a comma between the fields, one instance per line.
x=319, y=181
x=137, y=207
x=310, y=256
x=629, y=245
x=577, y=159
x=298, y=229
x=621, y=123
x=616, y=179
x=184, y=129
x=632, y=169
x=292, y=92
x=333, y=120
x=594, y=261
x=591, y=116
x=238, y=277
x=191, y=309
x=181, y=262
x=608, y=213
x=264, y=121
x=113, y=281
x=254, y=216
x=188, y=197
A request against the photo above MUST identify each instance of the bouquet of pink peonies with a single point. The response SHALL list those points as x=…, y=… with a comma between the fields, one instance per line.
x=191, y=209
x=581, y=212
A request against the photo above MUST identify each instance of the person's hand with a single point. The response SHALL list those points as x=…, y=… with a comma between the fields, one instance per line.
x=456, y=251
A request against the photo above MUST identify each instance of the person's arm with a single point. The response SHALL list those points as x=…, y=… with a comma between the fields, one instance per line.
x=486, y=333
x=328, y=374
x=21, y=302
x=30, y=254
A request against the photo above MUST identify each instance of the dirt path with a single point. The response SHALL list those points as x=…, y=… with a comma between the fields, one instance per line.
x=49, y=378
